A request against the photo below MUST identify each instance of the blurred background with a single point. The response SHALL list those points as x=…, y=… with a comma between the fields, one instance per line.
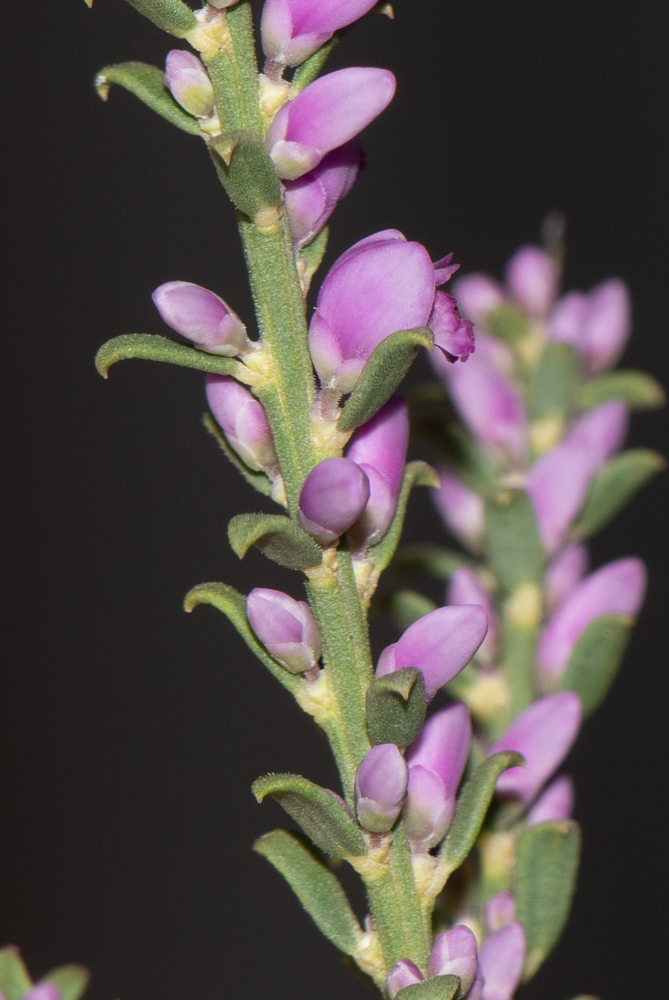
x=130, y=732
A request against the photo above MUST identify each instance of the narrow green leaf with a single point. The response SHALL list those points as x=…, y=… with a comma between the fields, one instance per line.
x=415, y=474
x=277, y=537
x=247, y=173
x=233, y=605
x=471, y=810
x=638, y=389
x=395, y=707
x=553, y=382
x=507, y=322
x=437, y=988
x=311, y=67
x=596, y=658
x=14, y=979
x=146, y=83
x=258, y=480
x=170, y=15
x=385, y=368
x=513, y=539
x=71, y=981
x=321, y=814
x=404, y=607
x=317, y=889
x=547, y=859
x=435, y=560
x=152, y=348
x=613, y=488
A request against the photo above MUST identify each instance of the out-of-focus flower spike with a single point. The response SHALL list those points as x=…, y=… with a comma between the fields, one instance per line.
x=477, y=295
x=500, y=910
x=454, y=954
x=291, y=30
x=242, y=419
x=532, y=279
x=557, y=484
x=543, y=734
x=325, y=115
x=285, y=627
x=43, y=991
x=464, y=587
x=461, y=509
x=607, y=324
x=380, y=787
x=555, y=803
x=188, y=81
x=440, y=644
x=501, y=958
x=565, y=571
x=403, y=974
x=436, y=762
x=604, y=428
x=452, y=334
x=617, y=588
x=332, y=498
x=201, y=316
x=311, y=200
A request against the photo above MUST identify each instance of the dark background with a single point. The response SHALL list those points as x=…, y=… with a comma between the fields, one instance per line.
x=130, y=732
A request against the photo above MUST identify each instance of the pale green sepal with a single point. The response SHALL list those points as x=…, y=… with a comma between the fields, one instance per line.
x=310, y=258
x=507, y=322
x=471, y=810
x=277, y=537
x=595, y=660
x=553, y=382
x=321, y=814
x=437, y=988
x=415, y=474
x=405, y=607
x=148, y=347
x=146, y=83
x=547, y=859
x=258, y=480
x=435, y=560
x=14, y=979
x=638, y=389
x=310, y=68
x=71, y=981
x=513, y=542
x=170, y=15
x=233, y=605
x=384, y=370
x=614, y=487
x=248, y=174
x=317, y=889
x=395, y=707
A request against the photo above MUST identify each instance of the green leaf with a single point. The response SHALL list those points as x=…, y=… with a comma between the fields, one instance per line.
x=639, y=390
x=613, y=488
x=170, y=15
x=311, y=256
x=437, y=988
x=150, y=348
x=435, y=560
x=321, y=814
x=513, y=539
x=233, y=605
x=461, y=453
x=258, y=480
x=547, y=859
x=317, y=889
x=247, y=173
x=395, y=706
x=277, y=537
x=405, y=607
x=471, y=810
x=311, y=67
x=385, y=368
x=71, y=981
x=146, y=83
x=415, y=474
x=553, y=383
x=14, y=979
x=595, y=659
x=507, y=322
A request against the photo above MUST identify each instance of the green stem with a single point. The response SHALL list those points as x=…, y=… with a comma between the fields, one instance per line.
x=234, y=73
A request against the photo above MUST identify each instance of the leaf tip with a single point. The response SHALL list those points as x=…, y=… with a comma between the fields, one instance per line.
x=102, y=85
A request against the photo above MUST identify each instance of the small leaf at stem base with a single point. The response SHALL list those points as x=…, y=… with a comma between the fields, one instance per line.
x=638, y=389
x=247, y=172
x=614, y=487
x=396, y=706
x=146, y=83
x=173, y=16
x=277, y=537
x=70, y=980
x=513, y=539
x=153, y=348
x=595, y=660
x=437, y=988
x=14, y=979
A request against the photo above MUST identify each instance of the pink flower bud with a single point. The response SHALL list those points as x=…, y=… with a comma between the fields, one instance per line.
x=325, y=115
x=500, y=910
x=558, y=484
x=189, y=83
x=532, y=279
x=405, y=973
x=440, y=644
x=501, y=958
x=333, y=496
x=477, y=295
x=286, y=628
x=454, y=954
x=566, y=570
x=242, y=419
x=604, y=429
x=566, y=321
x=436, y=762
x=291, y=30
x=312, y=198
x=452, y=334
x=597, y=323
x=543, y=734
x=556, y=802
x=380, y=788
x=617, y=588
x=464, y=587
x=379, y=448
x=201, y=316
x=461, y=509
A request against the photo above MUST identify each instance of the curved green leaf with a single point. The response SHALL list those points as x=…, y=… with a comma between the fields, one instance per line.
x=277, y=537
x=14, y=978
x=246, y=172
x=385, y=368
x=170, y=15
x=547, y=859
x=317, y=889
x=415, y=474
x=513, y=541
x=148, y=347
x=146, y=83
x=437, y=988
x=258, y=480
x=71, y=981
x=435, y=560
x=395, y=707
x=596, y=658
x=614, y=487
x=638, y=389
x=404, y=607
x=553, y=383
x=321, y=814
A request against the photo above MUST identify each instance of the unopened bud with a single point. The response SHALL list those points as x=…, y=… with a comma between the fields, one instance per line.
x=454, y=954
x=333, y=496
x=500, y=910
x=201, y=316
x=405, y=973
x=243, y=421
x=380, y=787
x=286, y=628
x=189, y=83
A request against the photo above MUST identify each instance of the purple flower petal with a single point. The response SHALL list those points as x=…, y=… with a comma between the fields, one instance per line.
x=604, y=428
x=311, y=200
x=444, y=269
x=558, y=484
x=460, y=508
x=286, y=628
x=464, y=587
x=201, y=316
x=501, y=958
x=566, y=321
x=292, y=29
x=500, y=910
x=556, y=802
x=333, y=496
x=188, y=81
x=452, y=334
x=454, y=954
x=477, y=295
x=43, y=991
x=566, y=570
x=607, y=324
x=404, y=973
x=380, y=787
x=243, y=421
x=533, y=279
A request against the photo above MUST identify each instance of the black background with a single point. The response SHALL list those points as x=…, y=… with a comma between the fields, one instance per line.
x=130, y=732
